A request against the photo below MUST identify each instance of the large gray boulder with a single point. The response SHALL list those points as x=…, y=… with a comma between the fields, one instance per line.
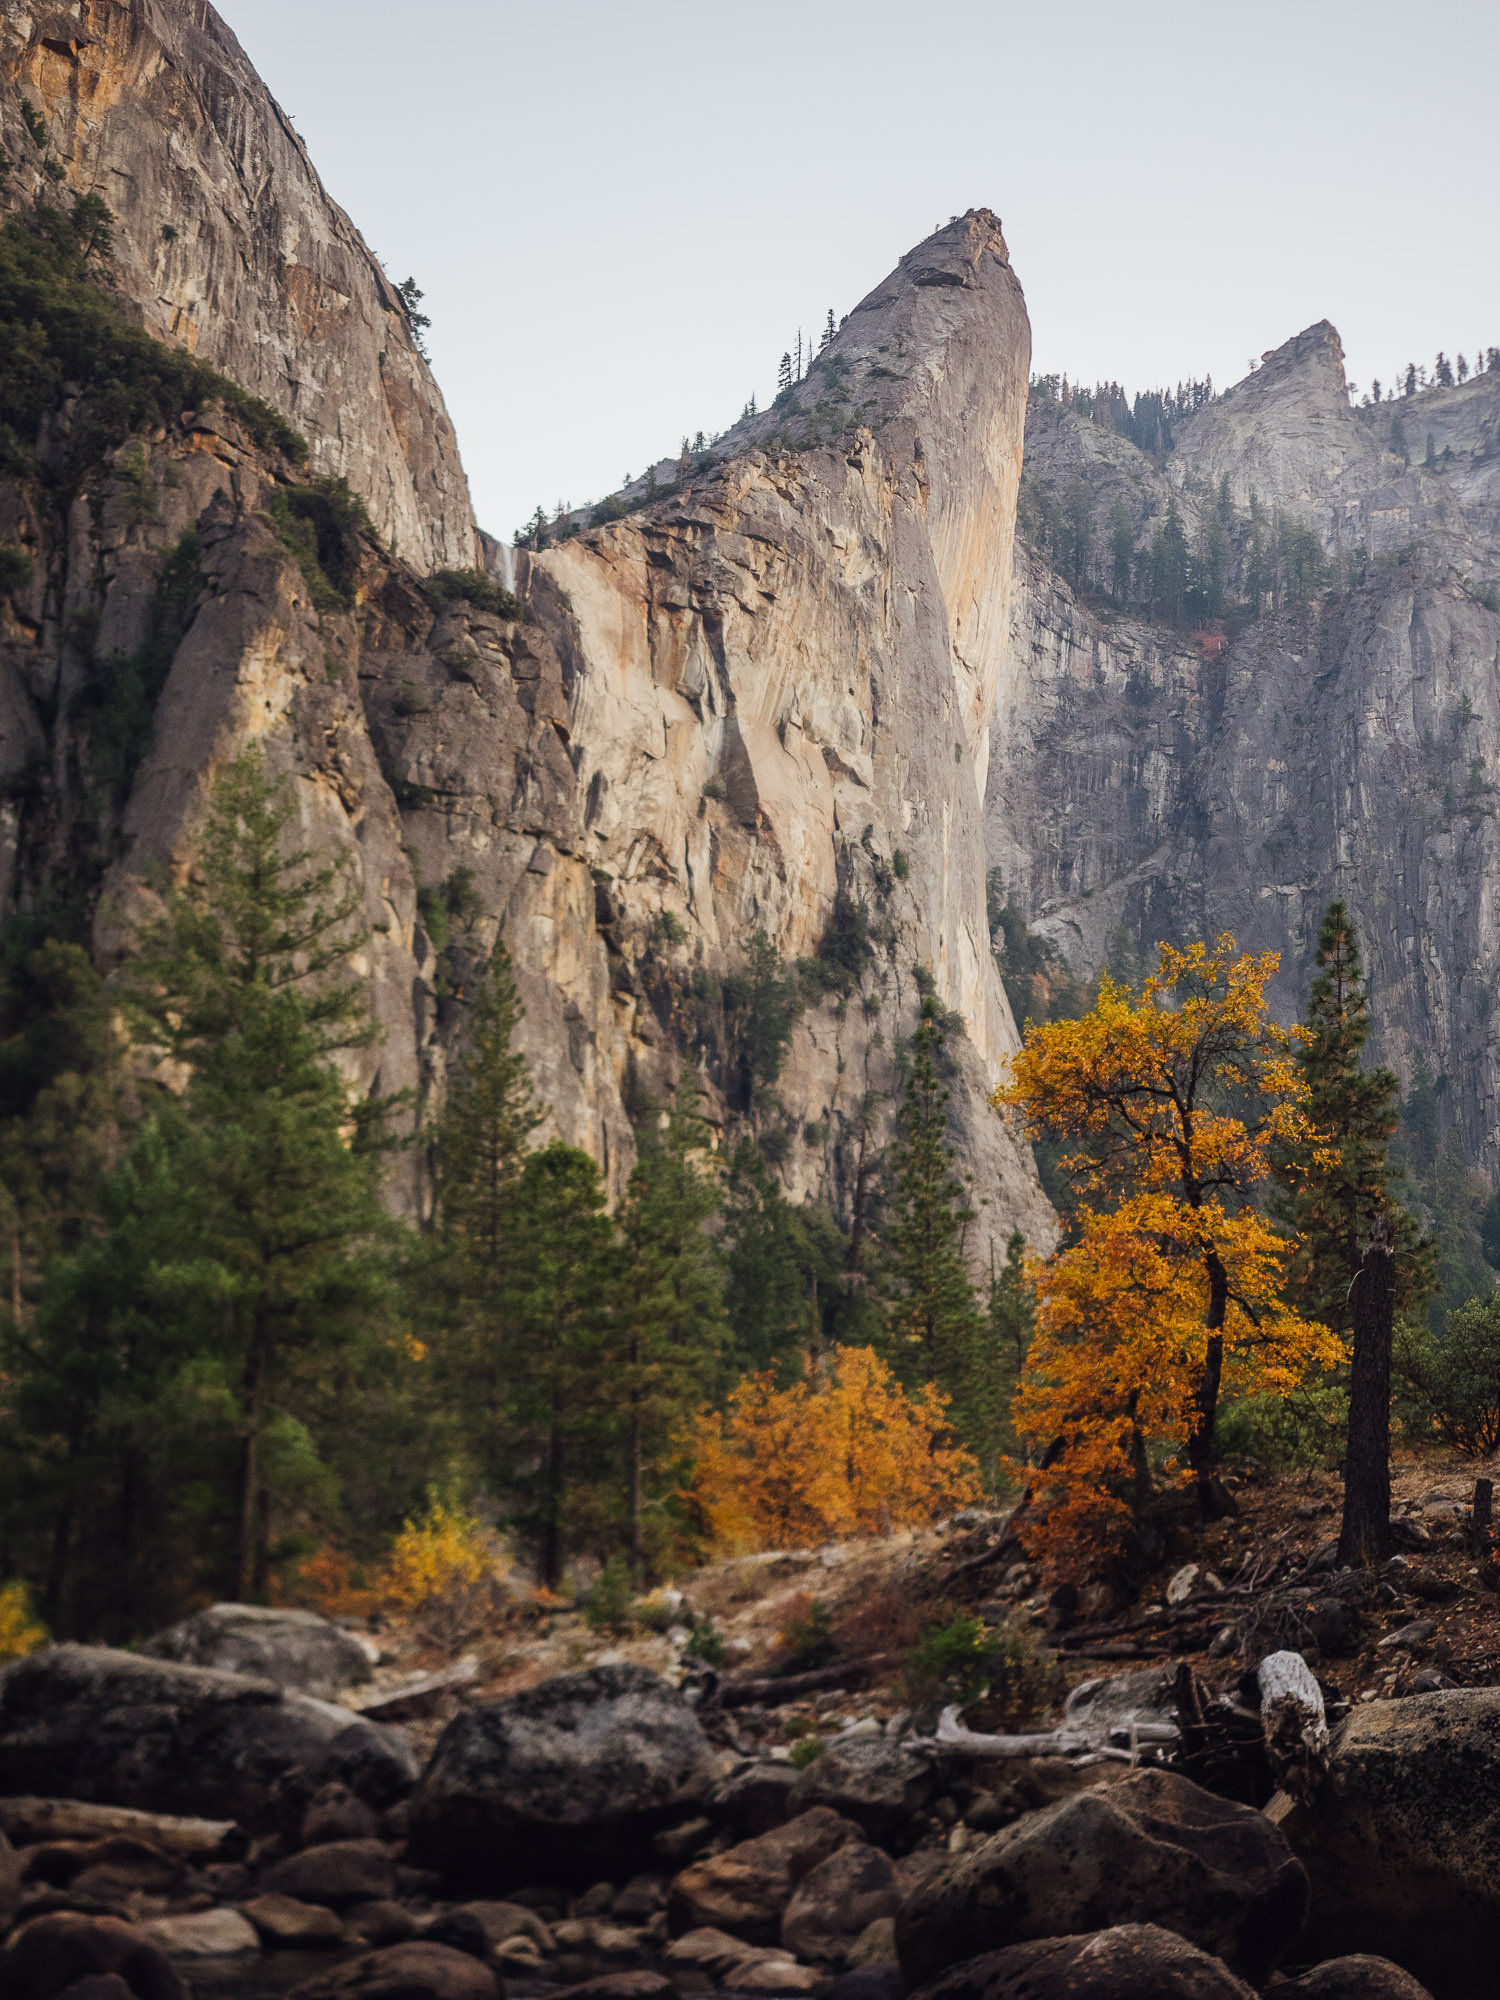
x=836, y=1902
x=745, y=1890
x=294, y=1649
x=1126, y=1962
x=86, y=1722
x=1402, y=1843
x=1153, y=1849
x=565, y=1782
x=1358, y=1977
x=61, y=1951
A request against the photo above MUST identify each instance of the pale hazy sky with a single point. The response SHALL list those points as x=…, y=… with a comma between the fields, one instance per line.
x=620, y=210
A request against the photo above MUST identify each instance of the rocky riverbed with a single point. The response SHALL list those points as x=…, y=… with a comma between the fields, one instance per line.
x=171, y=1827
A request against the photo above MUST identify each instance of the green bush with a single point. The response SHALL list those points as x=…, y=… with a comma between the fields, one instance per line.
x=473, y=587
x=15, y=569
x=807, y=1638
x=705, y=1642
x=608, y=1605
x=844, y=950
x=966, y=1660
x=117, y=700
x=1450, y=1382
x=321, y=523
x=59, y=326
x=806, y=1752
x=1291, y=1433
x=612, y=509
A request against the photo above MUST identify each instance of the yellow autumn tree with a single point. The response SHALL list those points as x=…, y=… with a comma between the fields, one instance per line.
x=1170, y=1288
x=814, y=1462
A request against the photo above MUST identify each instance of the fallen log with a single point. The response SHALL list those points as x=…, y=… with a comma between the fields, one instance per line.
x=1081, y=1744
x=775, y=1689
x=418, y=1696
x=27, y=1821
x=1294, y=1723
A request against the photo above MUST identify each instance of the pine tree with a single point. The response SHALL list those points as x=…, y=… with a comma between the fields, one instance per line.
x=934, y=1319
x=784, y=374
x=829, y=332
x=242, y=985
x=1346, y=1219
x=670, y=1307
x=1121, y=551
x=490, y=1113
x=1169, y=565
x=556, y=1349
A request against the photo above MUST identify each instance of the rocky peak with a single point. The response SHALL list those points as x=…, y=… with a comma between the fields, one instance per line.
x=228, y=244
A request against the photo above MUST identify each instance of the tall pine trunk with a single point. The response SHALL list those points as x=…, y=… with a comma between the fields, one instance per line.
x=1365, y=1536
x=247, y=1498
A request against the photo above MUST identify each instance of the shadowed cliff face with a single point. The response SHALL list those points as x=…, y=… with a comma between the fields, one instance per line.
x=1142, y=784
x=754, y=701
x=228, y=245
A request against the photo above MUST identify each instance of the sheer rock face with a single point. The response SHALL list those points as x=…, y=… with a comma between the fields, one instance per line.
x=1149, y=784
x=764, y=689
x=228, y=244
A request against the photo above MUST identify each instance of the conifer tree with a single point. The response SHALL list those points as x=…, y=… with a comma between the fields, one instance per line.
x=829, y=332
x=490, y=1113
x=784, y=374
x=1359, y=1257
x=242, y=984
x=1121, y=551
x=670, y=1305
x=934, y=1319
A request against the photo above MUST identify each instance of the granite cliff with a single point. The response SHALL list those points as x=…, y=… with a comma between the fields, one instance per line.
x=1148, y=781
x=757, y=701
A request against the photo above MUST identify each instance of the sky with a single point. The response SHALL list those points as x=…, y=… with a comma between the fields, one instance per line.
x=622, y=210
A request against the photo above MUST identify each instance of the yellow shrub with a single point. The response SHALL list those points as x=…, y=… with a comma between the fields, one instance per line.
x=441, y=1553
x=20, y=1631
x=858, y=1456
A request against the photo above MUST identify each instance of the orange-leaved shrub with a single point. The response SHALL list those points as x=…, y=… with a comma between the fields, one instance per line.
x=853, y=1455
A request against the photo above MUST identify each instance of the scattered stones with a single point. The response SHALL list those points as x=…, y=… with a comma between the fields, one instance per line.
x=204, y=1934
x=292, y=1649
x=337, y=1874
x=880, y=1785
x=1408, y=1638
x=745, y=1889
x=1403, y=1842
x=777, y=1976
x=717, y=1953
x=837, y=1901
x=756, y=1799
x=1153, y=1847
x=1184, y=1583
x=416, y=1971
x=621, y=1986
x=334, y=1813
x=379, y=1922
x=572, y=1777
x=283, y=1921
x=54, y=1953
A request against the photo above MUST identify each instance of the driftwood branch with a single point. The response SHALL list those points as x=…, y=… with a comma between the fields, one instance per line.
x=27, y=1821
x=745, y=1691
x=1295, y=1724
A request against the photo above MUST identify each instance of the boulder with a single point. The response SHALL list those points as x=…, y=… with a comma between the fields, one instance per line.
x=56, y=1952
x=878, y=1784
x=1126, y=1962
x=204, y=1934
x=718, y=1954
x=292, y=1649
x=416, y=1971
x=498, y=1923
x=885, y=1981
x=572, y=1779
x=1355, y=1978
x=379, y=1922
x=334, y=1813
x=284, y=1922
x=1402, y=1843
x=745, y=1889
x=777, y=1976
x=640, y=1985
x=10, y=1884
x=98, y=1986
x=755, y=1800
x=90, y=1723
x=338, y=1874
x=836, y=1902
x=1153, y=1849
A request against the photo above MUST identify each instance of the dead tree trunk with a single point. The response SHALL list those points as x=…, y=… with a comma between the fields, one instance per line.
x=1365, y=1536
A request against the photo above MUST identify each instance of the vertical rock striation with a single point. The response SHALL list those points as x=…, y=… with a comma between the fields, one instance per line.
x=228, y=244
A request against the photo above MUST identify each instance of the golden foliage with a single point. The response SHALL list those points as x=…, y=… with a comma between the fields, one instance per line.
x=1170, y=1287
x=20, y=1631
x=812, y=1463
x=442, y=1553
